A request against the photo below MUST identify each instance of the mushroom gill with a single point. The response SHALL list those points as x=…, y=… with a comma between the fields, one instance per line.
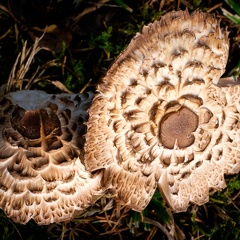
x=42, y=176
x=162, y=120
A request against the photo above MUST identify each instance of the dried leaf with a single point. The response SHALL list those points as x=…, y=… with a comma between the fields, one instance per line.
x=52, y=37
x=60, y=86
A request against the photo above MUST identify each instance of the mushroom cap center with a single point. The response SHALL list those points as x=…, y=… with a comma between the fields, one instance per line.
x=177, y=127
x=30, y=122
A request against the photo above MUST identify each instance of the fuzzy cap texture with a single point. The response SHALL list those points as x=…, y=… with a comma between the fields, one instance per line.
x=161, y=117
x=42, y=176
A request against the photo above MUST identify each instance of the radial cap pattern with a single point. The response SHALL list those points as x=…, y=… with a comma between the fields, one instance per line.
x=42, y=176
x=161, y=118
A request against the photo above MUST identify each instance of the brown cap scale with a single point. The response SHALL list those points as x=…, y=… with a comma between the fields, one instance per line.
x=42, y=176
x=161, y=119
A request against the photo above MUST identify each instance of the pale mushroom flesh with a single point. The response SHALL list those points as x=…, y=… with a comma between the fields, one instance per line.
x=42, y=175
x=162, y=118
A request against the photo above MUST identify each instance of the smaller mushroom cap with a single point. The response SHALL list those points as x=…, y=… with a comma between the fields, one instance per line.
x=42, y=176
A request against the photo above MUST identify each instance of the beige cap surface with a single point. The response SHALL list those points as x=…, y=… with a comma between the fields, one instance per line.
x=161, y=119
x=42, y=176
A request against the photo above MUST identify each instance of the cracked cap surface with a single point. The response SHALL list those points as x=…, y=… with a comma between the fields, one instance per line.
x=42, y=176
x=163, y=119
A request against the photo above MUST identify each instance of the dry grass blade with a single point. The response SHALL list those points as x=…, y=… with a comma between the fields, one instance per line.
x=159, y=225
x=21, y=66
x=114, y=222
x=174, y=228
x=89, y=10
x=4, y=9
x=85, y=86
x=60, y=86
x=152, y=233
x=214, y=7
x=5, y=34
x=18, y=80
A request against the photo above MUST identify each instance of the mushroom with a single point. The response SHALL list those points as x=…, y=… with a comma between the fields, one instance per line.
x=163, y=119
x=42, y=176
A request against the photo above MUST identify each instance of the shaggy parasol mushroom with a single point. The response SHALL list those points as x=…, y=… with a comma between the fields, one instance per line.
x=163, y=119
x=42, y=176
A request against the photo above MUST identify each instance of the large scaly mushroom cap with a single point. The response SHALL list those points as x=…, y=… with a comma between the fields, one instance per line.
x=41, y=153
x=162, y=119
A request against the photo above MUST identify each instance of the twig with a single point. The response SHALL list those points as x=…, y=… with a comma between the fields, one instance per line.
x=214, y=7
x=159, y=225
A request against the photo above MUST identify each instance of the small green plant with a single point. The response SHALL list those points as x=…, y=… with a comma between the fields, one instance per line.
x=75, y=77
x=236, y=7
x=103, y=41
x=196, y=3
